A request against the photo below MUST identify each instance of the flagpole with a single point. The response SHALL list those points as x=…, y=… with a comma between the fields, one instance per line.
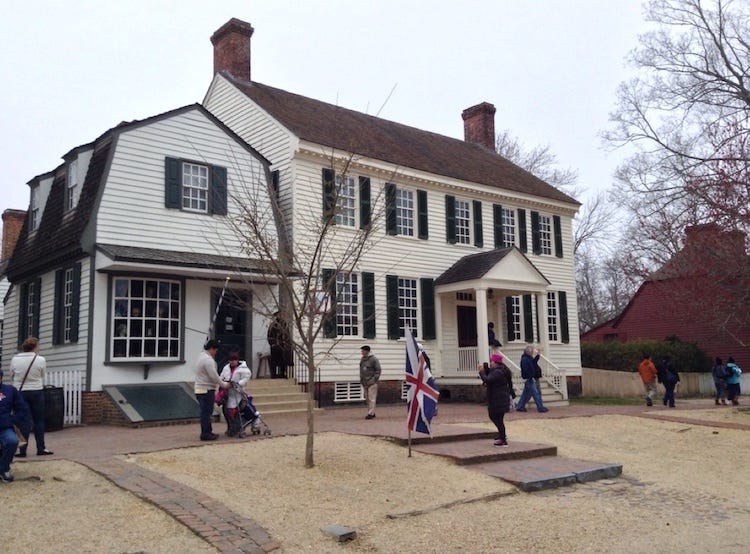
x=218, y=307
x=409, y=443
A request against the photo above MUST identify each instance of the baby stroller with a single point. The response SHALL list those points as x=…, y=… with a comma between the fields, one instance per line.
x=244, y=415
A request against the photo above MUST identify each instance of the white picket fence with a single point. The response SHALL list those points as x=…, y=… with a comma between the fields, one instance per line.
x=71, y=380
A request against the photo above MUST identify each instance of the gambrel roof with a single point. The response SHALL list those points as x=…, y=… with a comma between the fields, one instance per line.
x=359, y=133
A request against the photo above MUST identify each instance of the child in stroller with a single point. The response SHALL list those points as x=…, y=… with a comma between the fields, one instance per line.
x=237, y=406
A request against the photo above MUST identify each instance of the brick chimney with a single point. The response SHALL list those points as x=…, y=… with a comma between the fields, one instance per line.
x=12, y=224
x=232, y=48
x=479, y=125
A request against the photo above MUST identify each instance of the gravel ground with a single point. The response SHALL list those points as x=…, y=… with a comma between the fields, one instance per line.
x=684, y=489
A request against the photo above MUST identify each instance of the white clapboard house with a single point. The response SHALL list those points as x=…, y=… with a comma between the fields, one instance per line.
x=124, y=253
x=469, y=237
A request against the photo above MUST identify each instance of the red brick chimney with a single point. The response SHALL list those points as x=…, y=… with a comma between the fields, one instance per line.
x=232, y=48
x=12, y=223
x=479, y=125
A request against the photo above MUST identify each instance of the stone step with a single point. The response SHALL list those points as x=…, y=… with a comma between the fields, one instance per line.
x=267, y=406
x=477, y=451
x=548, y=472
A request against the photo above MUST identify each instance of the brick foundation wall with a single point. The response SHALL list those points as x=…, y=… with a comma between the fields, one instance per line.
x=99, y=409
x=389, y=392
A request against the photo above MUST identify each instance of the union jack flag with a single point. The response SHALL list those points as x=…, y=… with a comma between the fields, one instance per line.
x=422, y=396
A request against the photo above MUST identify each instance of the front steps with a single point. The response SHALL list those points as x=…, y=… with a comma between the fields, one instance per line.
x=277, y=396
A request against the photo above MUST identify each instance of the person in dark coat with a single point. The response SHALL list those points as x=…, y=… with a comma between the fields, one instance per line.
x=668, y=376
x=13, y=411
x=278, y=340
x=499, y=381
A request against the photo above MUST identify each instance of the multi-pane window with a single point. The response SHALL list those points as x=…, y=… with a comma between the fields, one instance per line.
x=514, y=332
x=463, y=221
x=195, y=187
x=347, y=302
x=67, y=303
x=71, y=195
x=145, y=318
x=34, y=207
x=545, y=234
x=552, y=316
x=407, y=305
x=31, y=309
x=405, y=212
x=509, y=227
x=346, y=198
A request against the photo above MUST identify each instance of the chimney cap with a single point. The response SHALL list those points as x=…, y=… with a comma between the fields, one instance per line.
x=484, y=107
x=234, y=25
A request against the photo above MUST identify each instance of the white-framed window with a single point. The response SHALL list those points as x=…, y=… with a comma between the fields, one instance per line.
x=405, y=212
x=346, y=201
x=146, y=319
x=67, y=303
x=34, y=208
x=515, y=317
x=545, y=234
x=347, y=305
x=463, y=221
x=509, y=227
x=71, y=192
x=552, y=316
x=194, y=187
x=407, y=305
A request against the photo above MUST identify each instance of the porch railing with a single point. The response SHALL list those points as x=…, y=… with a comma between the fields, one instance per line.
x=71, y=381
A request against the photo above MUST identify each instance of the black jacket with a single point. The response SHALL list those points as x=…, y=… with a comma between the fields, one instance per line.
x=499, y=381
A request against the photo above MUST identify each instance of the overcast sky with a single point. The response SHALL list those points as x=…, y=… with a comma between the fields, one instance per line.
x=73, y=69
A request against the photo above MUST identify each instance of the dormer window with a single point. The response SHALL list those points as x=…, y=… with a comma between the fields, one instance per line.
x=71, y=190
x=34, y=208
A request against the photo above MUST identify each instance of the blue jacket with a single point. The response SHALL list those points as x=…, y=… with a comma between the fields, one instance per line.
x=529, y=367
x=13, y=410
x=733, y=374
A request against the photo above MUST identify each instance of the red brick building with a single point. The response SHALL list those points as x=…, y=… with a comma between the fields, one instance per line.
x=701, y=295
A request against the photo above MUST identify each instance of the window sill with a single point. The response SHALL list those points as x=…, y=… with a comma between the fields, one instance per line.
x=142, y=362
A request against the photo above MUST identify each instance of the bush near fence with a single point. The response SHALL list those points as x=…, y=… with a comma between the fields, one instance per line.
x=625, y=356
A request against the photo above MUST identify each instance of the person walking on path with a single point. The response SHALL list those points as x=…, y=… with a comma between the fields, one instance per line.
x=647, y=371
x=719, y=373
x=733, y=382
x=668, y=376
x=369, y=375
x=499, y=381
x=13, y=411
x=206, y=381
x=529, y=371
x=27, y=372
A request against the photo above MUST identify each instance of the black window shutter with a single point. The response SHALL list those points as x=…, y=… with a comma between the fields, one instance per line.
x=172, y=183
x=58, y=325
x=391, y=294
x=390, y=209
x=427, y=287
x=536, y=240
x=37, y=305
x=497, y=225
x=275, y=183
x=528, y=319
x=329, y=194
x=562, y=298
x=478, y=235
x=522, y=240
x=422, y=219
x=364, y=202
x=22, y=313
x=76, y=303
x=558, y=235
x=509, y=317
x=368, y=305
x=329, y=319
x=450, y=219
x=218, y=191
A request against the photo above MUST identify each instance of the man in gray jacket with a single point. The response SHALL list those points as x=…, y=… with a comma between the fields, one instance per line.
x=369, y=375
x=206, y=381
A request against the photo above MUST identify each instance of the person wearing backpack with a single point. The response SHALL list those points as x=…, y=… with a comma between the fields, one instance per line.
x=733, y=382
x=668, y=376
x=719, y=373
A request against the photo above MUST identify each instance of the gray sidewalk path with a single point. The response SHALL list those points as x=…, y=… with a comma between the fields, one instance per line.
x=100, y=448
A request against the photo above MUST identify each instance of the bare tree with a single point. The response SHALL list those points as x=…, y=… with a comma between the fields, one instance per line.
x=302, y=252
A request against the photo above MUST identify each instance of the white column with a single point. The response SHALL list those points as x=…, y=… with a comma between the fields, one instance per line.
x=483, y=344
x=541, y=302
x=438, y=363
